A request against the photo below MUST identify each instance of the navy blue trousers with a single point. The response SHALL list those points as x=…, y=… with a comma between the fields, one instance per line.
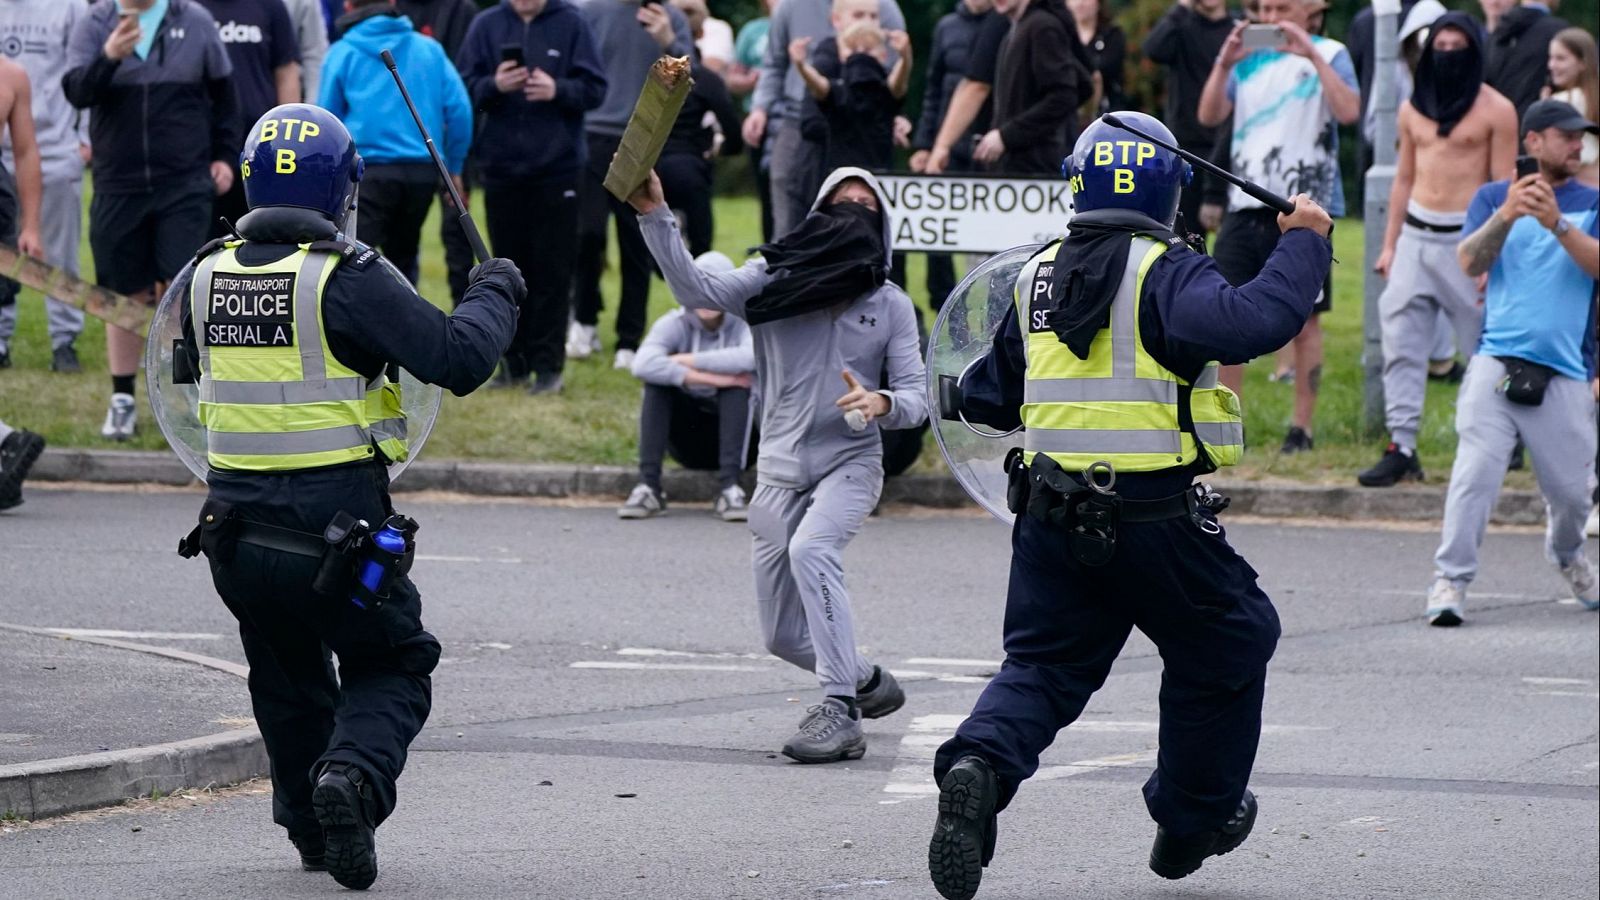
x=1065, y=623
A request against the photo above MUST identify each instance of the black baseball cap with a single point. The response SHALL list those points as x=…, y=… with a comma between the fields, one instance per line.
x=1556, y=114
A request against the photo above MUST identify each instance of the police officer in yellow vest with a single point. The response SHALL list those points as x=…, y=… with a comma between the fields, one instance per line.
x=289, y=329
x=1108, y=360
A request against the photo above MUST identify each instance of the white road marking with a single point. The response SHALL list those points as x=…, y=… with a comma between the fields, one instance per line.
x=1085, y=766
x=1476, y=595
x=1592, y=695
x=694, y=654
x=135, y=635
x=1536, y=680
x=946, y=661
x=666, y=667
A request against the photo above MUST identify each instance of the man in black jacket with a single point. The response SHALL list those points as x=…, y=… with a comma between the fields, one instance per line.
x=1043, y=78
x=1519, y=52
x=1187, y=40
x=165, y=128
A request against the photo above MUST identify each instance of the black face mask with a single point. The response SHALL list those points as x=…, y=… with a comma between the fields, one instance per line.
x=834, y=256
x=1448, y=81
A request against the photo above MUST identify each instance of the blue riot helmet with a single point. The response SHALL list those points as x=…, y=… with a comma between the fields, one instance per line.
x=301, y=155
x=1112, y=169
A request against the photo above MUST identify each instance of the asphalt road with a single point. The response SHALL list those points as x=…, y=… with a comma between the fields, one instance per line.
x=606, y=726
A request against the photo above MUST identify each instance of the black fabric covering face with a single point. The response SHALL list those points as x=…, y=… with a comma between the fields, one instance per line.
x=1448, y=81
x=834, y=256
x=1088, y=270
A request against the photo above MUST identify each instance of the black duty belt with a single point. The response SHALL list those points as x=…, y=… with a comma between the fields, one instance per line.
x=284, y=540
x=1415, y=222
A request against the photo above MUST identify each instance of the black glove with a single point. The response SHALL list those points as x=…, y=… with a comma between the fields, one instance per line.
x=505, y=273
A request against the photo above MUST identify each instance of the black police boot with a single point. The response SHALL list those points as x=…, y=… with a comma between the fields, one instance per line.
x=313, y=850
x=342, y=801
x=964, y=835
x=1393, y=467
x=1176, y=857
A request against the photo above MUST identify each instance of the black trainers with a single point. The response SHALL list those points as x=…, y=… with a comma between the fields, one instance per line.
x=313, y=851
x=5, y=359
x=884, y=698
x=1296, y=441
x=549, y=383
x=342, y=801
x=1393, y=467
x=1175, y=857
x=18, y=452
x=1451, y=375
x=1519, y=457
x=963, y=836
x=65, y=360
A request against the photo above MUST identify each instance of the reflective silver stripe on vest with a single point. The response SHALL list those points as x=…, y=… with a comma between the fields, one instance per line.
x=313, y=365
x=1208, y=378
x=389, y=429
x=1125, y=313
x=286, y=443
x=199, y=311
x=1107, y=441
x=1108, y=390
x=1220, y=434
x=338, y=390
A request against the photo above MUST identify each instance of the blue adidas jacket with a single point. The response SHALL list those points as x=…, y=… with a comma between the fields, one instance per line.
x=357, y=87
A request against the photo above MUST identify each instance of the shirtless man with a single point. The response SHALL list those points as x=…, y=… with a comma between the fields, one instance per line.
x=16, y=111
x=1456, y=134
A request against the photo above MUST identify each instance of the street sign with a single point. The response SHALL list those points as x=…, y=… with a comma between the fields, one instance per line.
x=974, y=214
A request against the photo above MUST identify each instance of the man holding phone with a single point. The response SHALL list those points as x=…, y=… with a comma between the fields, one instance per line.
x=532, y=70
x=1534, y=374
x=1287, y=100
x=1456, y=133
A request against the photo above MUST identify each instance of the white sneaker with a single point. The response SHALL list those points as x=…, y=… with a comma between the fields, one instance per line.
x=1580, y=575
x=1592, y=527
x=643, y=503
x=731, y=505
x=581, y=341
x=623, y=360
x=1445, y=599
x=122, y=418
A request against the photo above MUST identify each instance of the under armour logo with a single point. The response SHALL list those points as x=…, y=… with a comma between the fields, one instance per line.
x=177, y=34
x=869, y=320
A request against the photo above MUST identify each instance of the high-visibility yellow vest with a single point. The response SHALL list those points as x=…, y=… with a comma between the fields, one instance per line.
x=273, y=397
x=1119, y=405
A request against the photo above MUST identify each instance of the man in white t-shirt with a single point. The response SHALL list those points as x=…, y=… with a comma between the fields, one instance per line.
x=1287, y=104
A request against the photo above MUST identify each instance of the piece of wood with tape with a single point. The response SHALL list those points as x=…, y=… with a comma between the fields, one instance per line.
x=118, y=309
x=666, y=86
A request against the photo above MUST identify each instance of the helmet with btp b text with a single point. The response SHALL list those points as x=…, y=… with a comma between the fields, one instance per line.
x=301, y=155
x=1112, y=169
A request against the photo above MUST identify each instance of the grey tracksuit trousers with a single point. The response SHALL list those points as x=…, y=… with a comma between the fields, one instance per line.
x=1560, y=436
x=60, y=229
x=1424, y=281
x=798, y=541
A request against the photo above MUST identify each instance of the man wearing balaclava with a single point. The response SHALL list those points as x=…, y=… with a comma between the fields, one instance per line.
x=1456, y=134
x=836, y=359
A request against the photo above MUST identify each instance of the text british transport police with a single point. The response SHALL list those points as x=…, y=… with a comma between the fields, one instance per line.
x=249, y=310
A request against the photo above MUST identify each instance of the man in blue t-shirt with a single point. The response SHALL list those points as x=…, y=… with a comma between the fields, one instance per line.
x=1534, y=372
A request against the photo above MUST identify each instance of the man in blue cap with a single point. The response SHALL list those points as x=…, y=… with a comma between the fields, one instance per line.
x=1108, y=358
x=291, y=329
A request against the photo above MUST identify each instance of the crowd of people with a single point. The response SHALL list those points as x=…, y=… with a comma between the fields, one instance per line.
x=528, y=99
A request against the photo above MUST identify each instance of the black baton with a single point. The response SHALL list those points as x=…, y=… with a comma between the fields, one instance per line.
x=1249, y=187
x=465, y=217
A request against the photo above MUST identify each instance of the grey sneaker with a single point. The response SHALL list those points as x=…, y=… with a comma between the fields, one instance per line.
x=731, y=504
x=828, y=733
x=545, y=384
x=643, y=502
x=122, y=418
x=883, y=699
x=1445, y=599
x=1580, y=577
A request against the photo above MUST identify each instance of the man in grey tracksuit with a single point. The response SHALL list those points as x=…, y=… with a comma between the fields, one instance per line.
x=34, y=34
x=819, y=473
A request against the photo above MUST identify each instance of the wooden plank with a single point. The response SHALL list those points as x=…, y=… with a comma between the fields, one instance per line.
x=666, y=86
x=115, y=308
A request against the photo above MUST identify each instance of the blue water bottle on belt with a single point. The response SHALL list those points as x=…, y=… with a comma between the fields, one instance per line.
x=387, y=551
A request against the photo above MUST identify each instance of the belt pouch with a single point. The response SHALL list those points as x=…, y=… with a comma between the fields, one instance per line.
x=1525, y=381
x=344, y=535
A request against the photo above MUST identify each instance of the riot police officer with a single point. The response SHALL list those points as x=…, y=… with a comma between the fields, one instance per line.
x=1108, y=360
x=293, y=330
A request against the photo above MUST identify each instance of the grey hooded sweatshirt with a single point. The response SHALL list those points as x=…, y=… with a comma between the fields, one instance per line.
x=799, y=359
x=725, y=350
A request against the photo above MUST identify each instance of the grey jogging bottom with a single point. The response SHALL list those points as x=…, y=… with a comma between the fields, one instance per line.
x=798, y=541
x=1560, y=436
x=61, y=231
x=1424, y=281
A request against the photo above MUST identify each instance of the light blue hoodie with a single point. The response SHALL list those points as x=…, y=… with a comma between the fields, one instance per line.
x=357, y=87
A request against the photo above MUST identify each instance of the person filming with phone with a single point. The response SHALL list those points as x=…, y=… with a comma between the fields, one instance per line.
x=1534, y=373
x=532, y=68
